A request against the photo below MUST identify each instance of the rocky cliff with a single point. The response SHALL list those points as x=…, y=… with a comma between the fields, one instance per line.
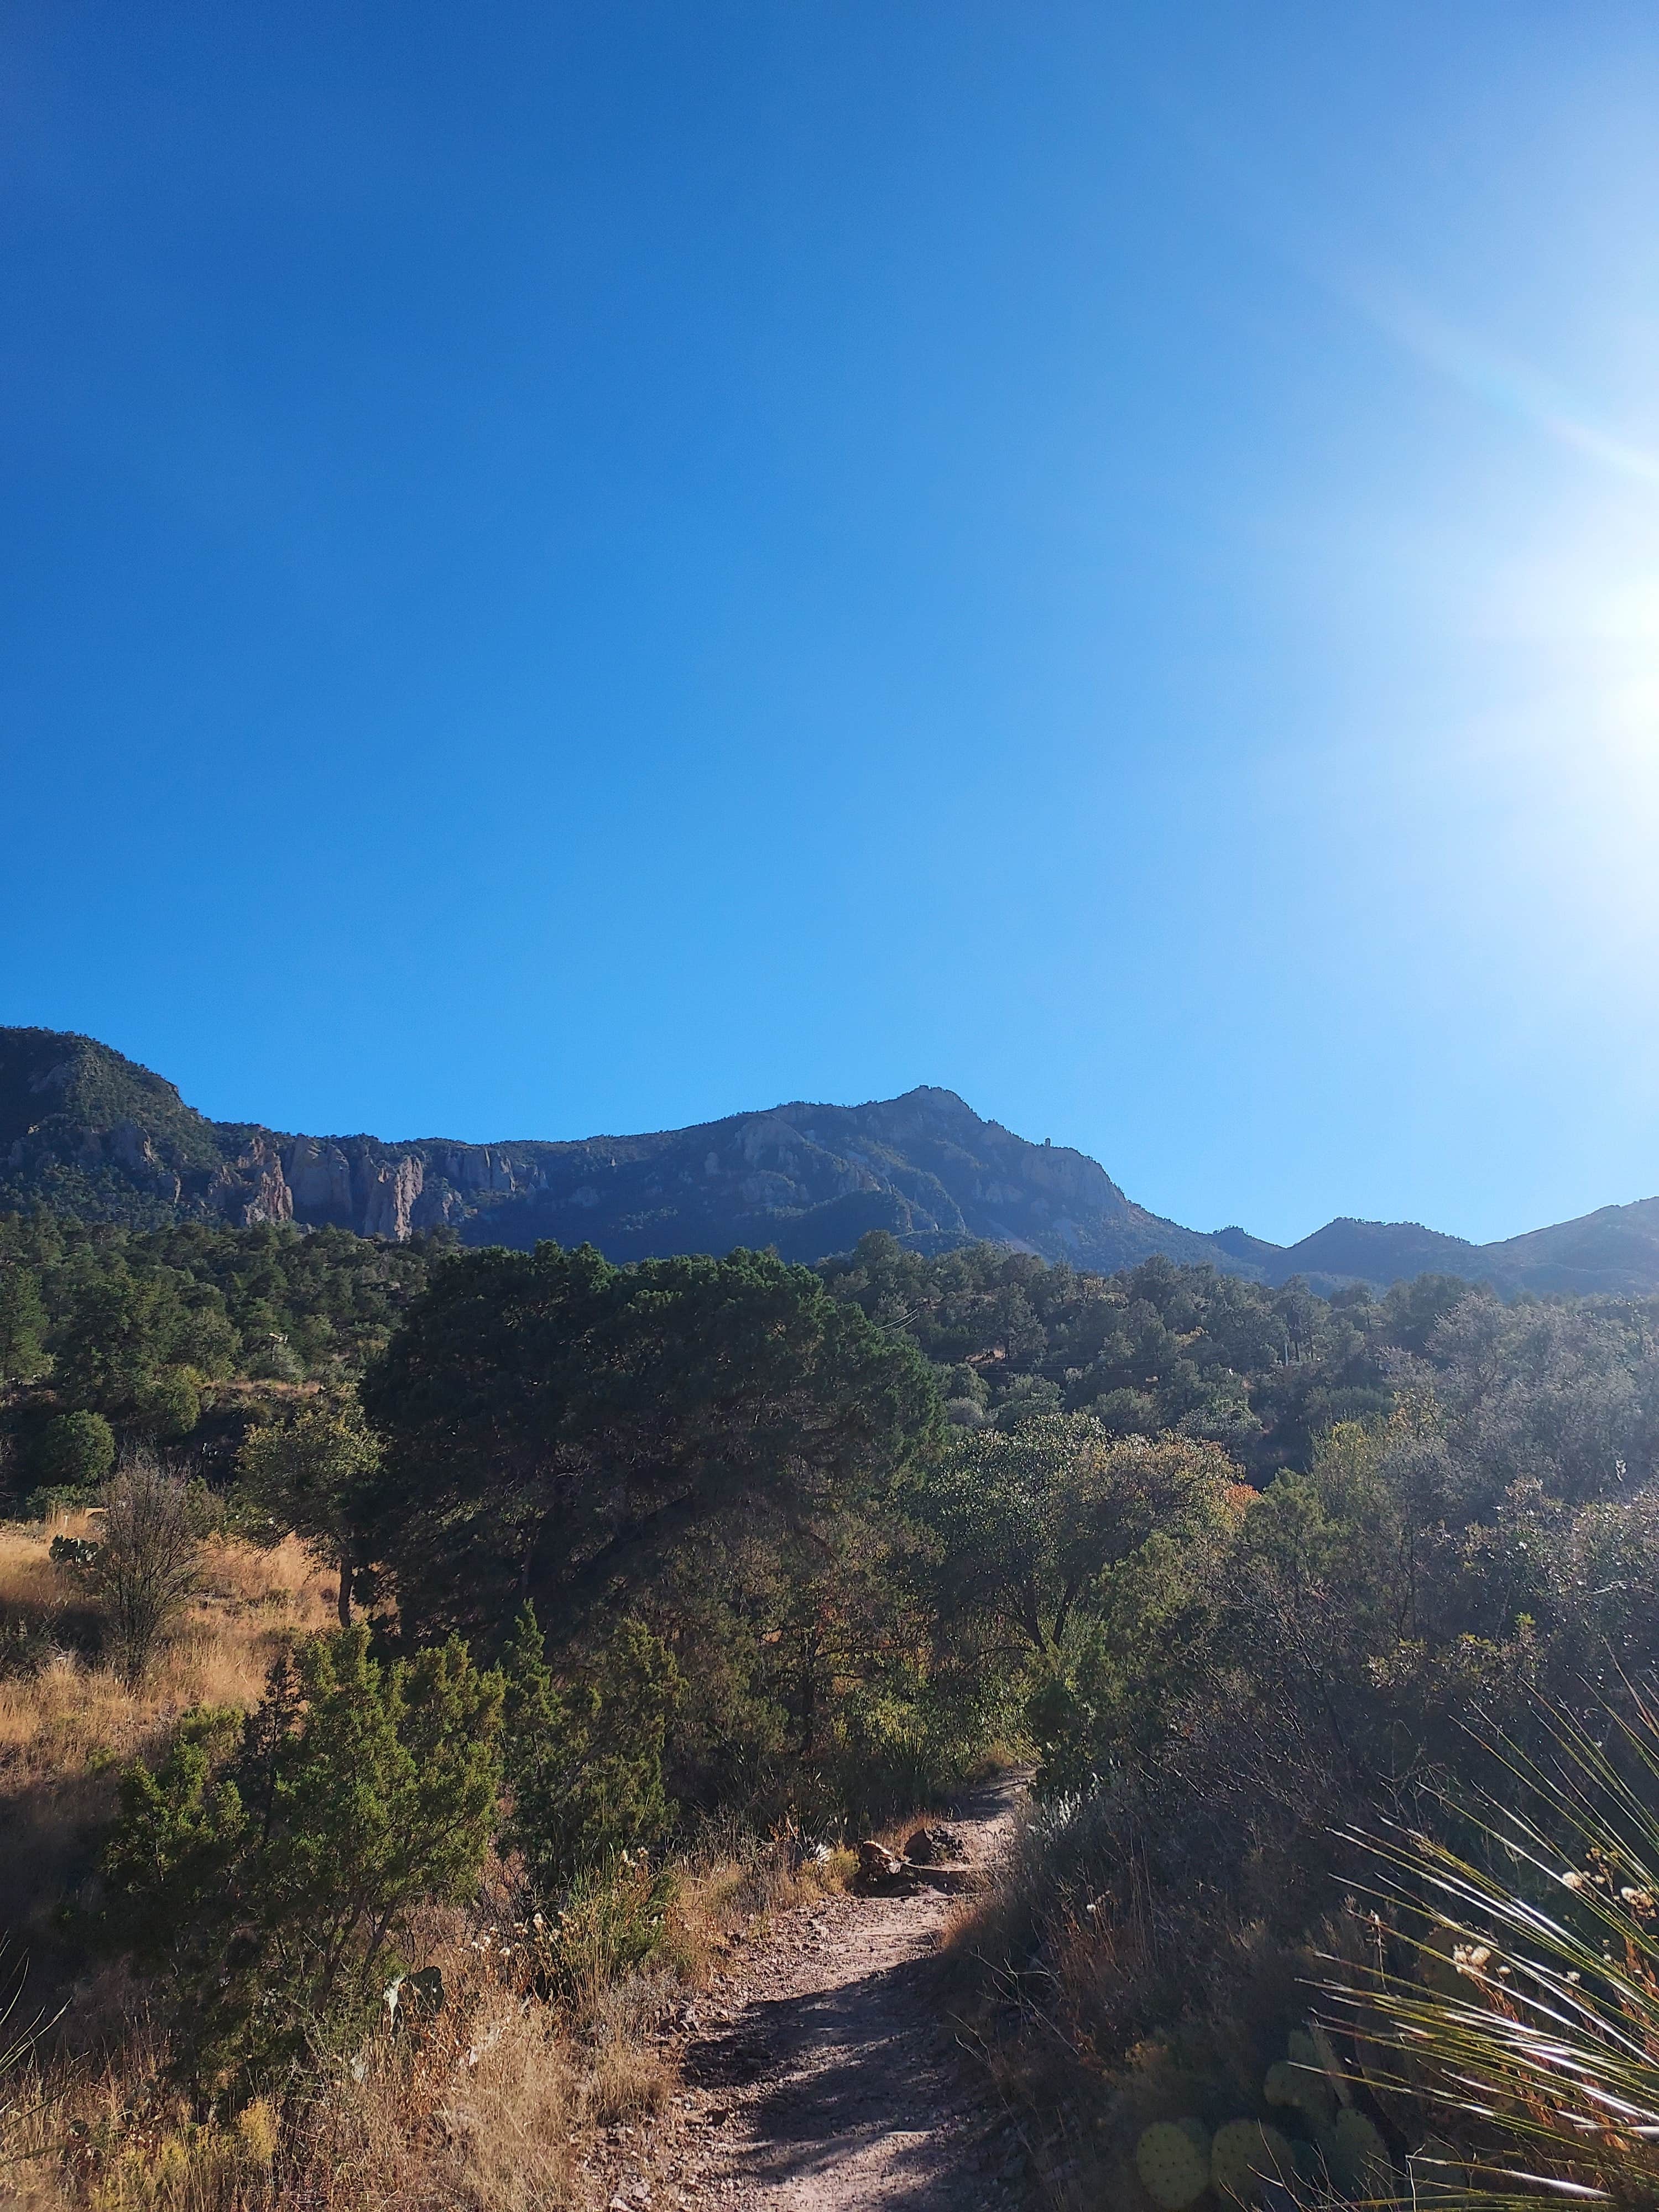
x=84, y=1131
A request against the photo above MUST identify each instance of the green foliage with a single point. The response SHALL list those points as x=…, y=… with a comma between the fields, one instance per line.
x=1028, y=1521
x=24, y=1354
x=267, y=1871
x=1157, y=1348
x=584, y=1760
x=168, y=1405
x=561, y=1429
x=313, y=1474
x=107, y=1310
x=610, y=1919
x=122, y=1328
x=74, y=1451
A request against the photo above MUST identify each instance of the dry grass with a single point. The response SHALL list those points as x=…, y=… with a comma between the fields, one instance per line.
x=69, y=1724
x=476, y=2112
x=489, y=2108
x=485, y=2109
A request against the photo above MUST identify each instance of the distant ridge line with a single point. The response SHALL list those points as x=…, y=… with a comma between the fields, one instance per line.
x=84, y=1130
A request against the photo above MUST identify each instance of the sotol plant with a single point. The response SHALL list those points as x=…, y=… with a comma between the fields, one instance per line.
x=1510, y=1996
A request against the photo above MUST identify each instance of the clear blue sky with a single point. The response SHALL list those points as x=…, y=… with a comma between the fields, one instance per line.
x=578, y=567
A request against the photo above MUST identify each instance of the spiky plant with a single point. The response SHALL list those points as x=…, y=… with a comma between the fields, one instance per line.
x=1509, y=1991
x=20, y=2094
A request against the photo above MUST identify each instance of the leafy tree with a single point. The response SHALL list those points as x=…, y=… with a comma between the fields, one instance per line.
x=585, y=1759
x=313, y=1474
x=268, y=1869
x=1415, y=1309
x=1027, y=1521
x=169, y=1405
x=74, y=1451
x=119, y=1327
x=557, y=1427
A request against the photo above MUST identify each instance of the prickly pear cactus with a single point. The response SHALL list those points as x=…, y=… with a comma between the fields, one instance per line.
x=1282, y=2087
x=1301, y=2081
x=1358, y=2156
x=1199, y=2136
x=1310, y=2166
x=1246, y=2153
x=1172, y=2165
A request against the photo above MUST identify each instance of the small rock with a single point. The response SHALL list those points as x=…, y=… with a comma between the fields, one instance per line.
x=881, y=1869
x=935, y=1845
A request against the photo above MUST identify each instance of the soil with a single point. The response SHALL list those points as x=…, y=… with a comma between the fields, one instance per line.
x=821, y=2073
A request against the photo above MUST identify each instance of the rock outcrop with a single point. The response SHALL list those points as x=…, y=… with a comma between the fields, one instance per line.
x=82, y=1128
x=85, y=1131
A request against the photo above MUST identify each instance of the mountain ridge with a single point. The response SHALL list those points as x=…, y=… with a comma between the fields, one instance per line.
x=85, y=1130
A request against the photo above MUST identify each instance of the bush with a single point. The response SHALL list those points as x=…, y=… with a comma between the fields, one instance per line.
x=1501, y=1978
x=268, y=1867
x=169, y=1404
x=74, y=1452
x=586, y=1761
x=144, y=1568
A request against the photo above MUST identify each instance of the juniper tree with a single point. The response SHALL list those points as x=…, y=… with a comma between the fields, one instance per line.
x=267, y=1868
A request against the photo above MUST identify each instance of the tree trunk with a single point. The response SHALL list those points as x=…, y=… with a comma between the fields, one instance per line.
x=345, y=1585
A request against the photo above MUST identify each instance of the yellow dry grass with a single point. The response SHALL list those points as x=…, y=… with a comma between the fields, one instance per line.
x=67, y=1727
x=486, y=2109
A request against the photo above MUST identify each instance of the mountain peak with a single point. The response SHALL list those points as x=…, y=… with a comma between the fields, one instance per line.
x=84, y=1130
x=109, y=1139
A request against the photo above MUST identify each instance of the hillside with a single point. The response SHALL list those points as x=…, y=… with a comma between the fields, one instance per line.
x=84, y=1131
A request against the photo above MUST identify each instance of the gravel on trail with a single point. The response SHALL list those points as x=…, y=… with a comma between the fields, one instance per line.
x=819, y=2076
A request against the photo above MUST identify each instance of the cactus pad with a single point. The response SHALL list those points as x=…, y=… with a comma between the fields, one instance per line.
x=1301, y=2081
x=1171, y=2164
x=1282, y=2086
x=1246, y=2153
x=1309, y=2167
x=1358, y=2156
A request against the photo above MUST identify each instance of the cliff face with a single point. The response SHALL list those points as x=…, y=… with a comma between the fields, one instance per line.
x=86, y=1130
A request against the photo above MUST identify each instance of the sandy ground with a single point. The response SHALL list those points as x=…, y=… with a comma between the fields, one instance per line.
x=821, y=2076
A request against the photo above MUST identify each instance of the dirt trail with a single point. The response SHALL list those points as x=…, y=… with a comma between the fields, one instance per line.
x=820, y=2077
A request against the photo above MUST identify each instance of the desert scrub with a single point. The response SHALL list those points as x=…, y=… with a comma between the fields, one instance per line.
x=1499, y=1976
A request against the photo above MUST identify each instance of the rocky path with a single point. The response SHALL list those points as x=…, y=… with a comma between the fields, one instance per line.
x=821, y=2077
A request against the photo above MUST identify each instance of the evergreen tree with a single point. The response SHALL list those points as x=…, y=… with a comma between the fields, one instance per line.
x=268, y=1873
x=584, y=1761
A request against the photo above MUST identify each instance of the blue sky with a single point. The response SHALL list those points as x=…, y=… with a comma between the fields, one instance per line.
x=584, y=567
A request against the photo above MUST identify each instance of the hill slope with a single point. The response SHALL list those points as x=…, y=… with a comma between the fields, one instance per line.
x=83, y=1130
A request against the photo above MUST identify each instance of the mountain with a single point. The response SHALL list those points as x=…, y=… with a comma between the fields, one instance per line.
x=1347, y=1251
x=83, y=1130
x=1614, y=1250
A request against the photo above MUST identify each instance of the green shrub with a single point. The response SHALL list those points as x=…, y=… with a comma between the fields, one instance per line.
x=611, y=1919
x=584, y=1760
x=74, y=1452
x=268, y=1867
x=169, y=1405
